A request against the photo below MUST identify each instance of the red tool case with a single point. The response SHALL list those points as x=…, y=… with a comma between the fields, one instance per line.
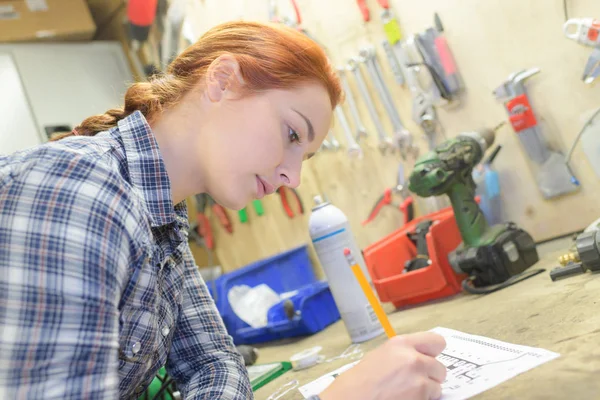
x=385, y=261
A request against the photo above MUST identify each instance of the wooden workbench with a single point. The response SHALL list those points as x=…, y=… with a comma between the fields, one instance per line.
x=558, y=316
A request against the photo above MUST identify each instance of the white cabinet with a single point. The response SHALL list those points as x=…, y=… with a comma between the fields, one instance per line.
x=56, y=84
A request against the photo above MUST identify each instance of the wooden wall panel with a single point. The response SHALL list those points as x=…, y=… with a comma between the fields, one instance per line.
x=489, y=39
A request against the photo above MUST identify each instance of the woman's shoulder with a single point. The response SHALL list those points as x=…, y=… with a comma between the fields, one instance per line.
x=85, y=166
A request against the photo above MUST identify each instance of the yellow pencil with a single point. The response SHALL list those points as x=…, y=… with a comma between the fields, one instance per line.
x=364, y=284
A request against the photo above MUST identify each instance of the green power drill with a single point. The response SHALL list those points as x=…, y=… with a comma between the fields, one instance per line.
x=493, y=256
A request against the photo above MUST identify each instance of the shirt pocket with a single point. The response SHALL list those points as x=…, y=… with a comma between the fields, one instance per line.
x=137, y=342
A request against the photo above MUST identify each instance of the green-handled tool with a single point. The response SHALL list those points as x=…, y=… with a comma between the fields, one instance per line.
x=258, y=207
x=492, y=255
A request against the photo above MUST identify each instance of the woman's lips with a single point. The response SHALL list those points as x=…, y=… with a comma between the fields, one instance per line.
x=263, y=188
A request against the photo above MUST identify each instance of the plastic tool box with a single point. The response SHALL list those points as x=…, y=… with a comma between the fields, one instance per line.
x=289, y=272
x=386, y=258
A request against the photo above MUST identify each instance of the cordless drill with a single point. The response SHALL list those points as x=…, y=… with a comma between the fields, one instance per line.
x=491, y=255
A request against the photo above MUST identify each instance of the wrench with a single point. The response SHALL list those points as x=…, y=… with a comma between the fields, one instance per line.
x=360, y=128
x=423, y=112
x=394, y=64
x=402, y=136
x=385, y=142
x=354, y=149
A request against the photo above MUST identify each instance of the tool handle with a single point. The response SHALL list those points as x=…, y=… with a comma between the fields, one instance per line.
x=141, y=14
x=385, y=199
x=243, y=215
x=285, y=203
x=205, y=231
x=566, y=271
x=384, y=3
x=445, y=55
x=297, y=12
x=573, y=34
x=258, y=207
x=223, y=217
x=364, y=10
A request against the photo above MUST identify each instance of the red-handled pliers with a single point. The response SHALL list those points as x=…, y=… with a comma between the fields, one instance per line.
x=407, y=207
x=364, y=9
x=286, y=204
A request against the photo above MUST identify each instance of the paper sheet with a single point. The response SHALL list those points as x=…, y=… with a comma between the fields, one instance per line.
x=474, y=363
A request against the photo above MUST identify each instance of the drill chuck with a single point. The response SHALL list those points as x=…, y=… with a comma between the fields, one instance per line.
x=587, y=247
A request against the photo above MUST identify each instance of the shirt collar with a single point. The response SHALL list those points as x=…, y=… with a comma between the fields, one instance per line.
x=147, y=171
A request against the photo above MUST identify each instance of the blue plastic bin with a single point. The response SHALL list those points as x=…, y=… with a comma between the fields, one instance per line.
x=285, y=272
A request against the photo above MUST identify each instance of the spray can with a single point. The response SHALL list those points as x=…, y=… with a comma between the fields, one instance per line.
x=330, y=233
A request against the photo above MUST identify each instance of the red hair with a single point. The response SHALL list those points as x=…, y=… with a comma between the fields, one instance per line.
x=270, y=56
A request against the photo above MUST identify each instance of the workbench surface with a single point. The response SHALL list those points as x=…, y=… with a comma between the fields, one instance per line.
x=558, y=316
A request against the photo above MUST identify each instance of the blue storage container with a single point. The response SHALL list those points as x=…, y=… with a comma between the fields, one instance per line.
x=286, y=272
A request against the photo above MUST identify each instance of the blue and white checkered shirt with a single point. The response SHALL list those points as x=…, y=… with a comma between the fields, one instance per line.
x=98, y=287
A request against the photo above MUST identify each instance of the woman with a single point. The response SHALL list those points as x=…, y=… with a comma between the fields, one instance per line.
x=99, y=286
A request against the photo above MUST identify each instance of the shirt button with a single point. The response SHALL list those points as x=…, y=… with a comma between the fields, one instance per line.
x=136, y=347
x=165, y=330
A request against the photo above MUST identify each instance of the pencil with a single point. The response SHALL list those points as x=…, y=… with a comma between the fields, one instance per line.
x=364, y=284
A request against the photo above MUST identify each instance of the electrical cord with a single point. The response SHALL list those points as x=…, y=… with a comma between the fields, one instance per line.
x=577, y=138
x=565, y=11
x=493, y=288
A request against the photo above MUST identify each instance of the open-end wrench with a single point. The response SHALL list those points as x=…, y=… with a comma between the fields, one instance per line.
x=402, y=136
x=393, y=61
x=354, y=149
x=385, y=143
x=360, y=128
x=333, y=142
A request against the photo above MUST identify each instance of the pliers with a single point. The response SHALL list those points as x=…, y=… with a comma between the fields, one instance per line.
x=364, y=8
x=286, y=204
x=203, y=228
x=407, y=205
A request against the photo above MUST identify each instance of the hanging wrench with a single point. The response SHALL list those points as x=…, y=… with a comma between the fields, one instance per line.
x=402, y=136
x=354, y=149
x=394, y=64
x=333, y=142
x=423, y=112
x=385, y=142
x=360, y=128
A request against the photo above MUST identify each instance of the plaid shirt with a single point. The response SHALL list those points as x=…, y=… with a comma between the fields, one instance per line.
x=98, y=286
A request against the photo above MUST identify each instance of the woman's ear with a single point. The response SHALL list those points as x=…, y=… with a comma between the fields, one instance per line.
x=223, y=75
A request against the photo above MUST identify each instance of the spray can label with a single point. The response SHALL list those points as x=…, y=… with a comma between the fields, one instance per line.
x=356, y=312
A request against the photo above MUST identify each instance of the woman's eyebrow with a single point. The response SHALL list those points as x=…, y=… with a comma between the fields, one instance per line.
x=311, y=131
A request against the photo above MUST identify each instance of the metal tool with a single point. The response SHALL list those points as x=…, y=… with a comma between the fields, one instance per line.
x=494, y=256
x=393, y=61
x=587, y=32
x=402, y=136
x=361, y=131
x=592, y=66
x=385, y=143
x=335, y=145
x=585, y=256
x=407, y=205
x=354, y=149
x=554, y=177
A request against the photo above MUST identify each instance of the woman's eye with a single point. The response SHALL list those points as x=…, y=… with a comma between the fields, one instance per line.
x=294, y=136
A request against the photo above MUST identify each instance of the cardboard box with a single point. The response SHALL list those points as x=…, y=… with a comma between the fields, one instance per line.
x=45, y=20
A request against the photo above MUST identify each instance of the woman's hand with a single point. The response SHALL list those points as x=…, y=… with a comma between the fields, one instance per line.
x=404, y=367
